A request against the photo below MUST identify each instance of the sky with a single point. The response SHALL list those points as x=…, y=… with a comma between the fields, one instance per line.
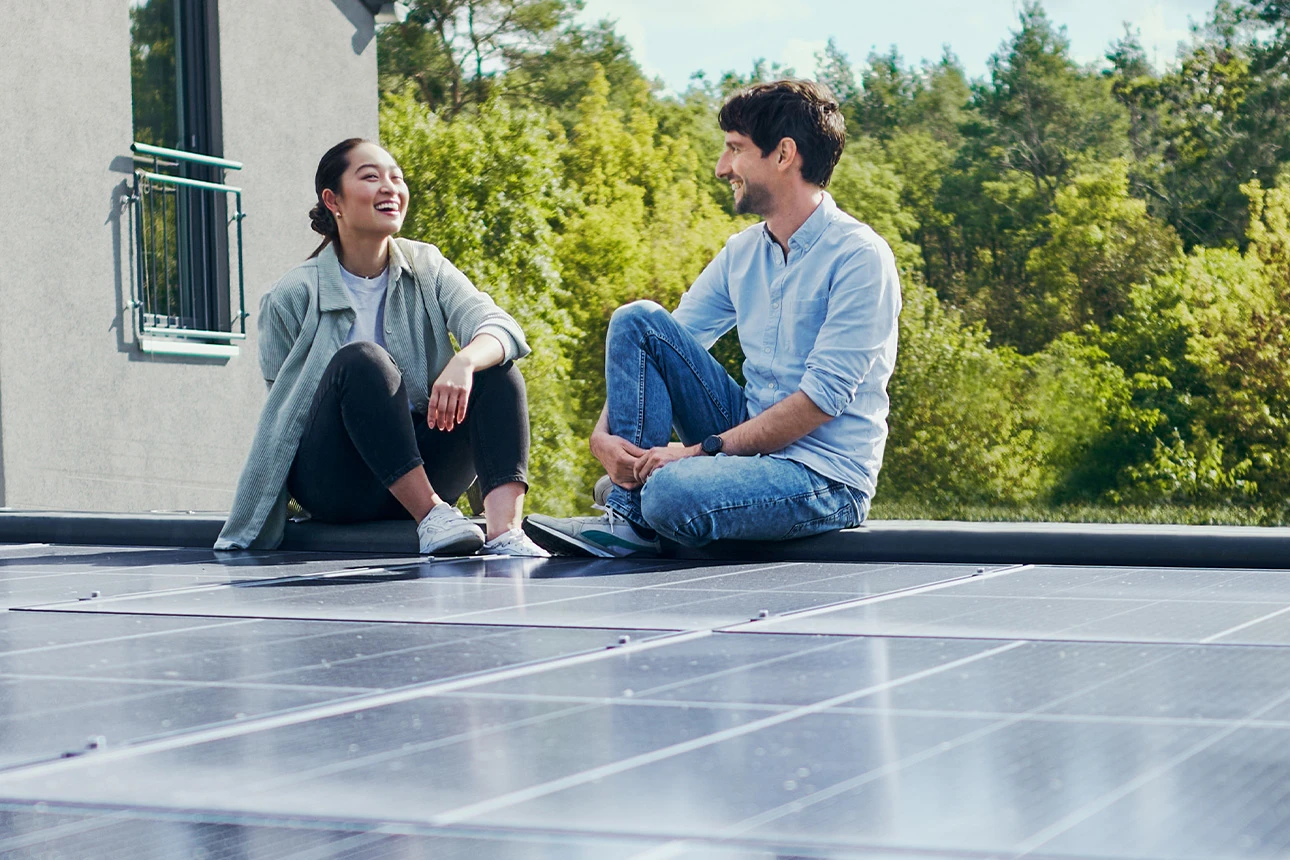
x=671, y=39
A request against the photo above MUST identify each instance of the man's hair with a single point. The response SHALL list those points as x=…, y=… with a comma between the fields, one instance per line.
x=803, y=110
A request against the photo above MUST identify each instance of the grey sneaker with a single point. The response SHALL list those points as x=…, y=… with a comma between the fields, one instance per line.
x=445, y=531
x=513, y=543
x=608, y=536
x=600, y=492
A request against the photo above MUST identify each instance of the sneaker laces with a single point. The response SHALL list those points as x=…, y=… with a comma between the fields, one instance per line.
x=612, y=517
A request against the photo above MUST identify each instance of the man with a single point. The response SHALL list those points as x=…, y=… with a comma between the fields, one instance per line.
x=814, y=296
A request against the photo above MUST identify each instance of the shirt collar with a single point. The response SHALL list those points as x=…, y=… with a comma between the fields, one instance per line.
x=332, y=295
x=812, y=228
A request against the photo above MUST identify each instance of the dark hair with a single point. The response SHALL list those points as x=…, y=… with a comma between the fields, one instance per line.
x=331, y=167
x=803, y=110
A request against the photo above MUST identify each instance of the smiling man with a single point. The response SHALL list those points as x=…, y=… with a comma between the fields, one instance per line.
x=814, y=295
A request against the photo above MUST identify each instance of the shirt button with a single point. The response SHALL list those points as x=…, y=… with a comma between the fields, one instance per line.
x=772, y=386
x=774, y=305
x=766, y=350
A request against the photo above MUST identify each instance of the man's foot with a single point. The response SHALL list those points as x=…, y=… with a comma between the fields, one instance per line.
x=600, y=492
x=513, y=543
x=608, y=536
x=446, y=531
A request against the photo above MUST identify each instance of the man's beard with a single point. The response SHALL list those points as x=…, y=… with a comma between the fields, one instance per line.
x=755, y=200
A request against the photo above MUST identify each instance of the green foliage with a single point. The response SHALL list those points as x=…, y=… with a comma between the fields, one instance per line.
x=486, y=191
x=152, y=73
x=1095, y=260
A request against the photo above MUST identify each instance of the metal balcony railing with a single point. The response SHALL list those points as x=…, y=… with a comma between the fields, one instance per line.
x=187, y=248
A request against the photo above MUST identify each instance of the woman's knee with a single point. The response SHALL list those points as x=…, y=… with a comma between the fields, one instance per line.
x=502, y=380
x=367, y=364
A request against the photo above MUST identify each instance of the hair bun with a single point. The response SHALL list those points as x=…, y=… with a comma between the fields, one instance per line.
x=322, y=221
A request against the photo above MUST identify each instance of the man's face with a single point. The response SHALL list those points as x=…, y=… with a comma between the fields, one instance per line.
x=751, y=176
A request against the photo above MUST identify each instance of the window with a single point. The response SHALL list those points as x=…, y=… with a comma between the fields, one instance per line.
x=187, y=246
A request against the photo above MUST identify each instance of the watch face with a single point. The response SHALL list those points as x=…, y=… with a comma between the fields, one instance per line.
x=712, y=445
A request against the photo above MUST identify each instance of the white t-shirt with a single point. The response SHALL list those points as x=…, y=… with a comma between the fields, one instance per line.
x=368, y=297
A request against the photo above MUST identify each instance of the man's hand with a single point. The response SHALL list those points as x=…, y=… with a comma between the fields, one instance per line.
x=657, y=458
x=618, y=456
x=450, y=394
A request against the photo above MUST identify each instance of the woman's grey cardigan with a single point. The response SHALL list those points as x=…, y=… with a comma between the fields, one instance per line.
x=305, y=319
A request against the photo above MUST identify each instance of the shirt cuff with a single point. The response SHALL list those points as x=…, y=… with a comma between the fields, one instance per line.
x=828, y=393
x=504, y=337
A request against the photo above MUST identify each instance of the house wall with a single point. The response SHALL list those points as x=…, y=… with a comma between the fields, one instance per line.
x=87, y=421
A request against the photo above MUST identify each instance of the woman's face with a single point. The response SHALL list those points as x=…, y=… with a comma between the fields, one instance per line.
x=373, y=198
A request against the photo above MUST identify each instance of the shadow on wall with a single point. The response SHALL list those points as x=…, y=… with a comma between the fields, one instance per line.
x=118, y=210
x=121, y=221
x=361, y=18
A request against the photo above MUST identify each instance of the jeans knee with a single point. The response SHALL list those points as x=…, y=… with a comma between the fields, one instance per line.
x=631, y=319
x=676, y=507
x=366, y=363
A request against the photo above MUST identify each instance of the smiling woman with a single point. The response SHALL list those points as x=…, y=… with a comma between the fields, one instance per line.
x=371, y=414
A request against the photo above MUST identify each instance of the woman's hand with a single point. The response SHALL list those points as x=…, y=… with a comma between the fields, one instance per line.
x=450, y=395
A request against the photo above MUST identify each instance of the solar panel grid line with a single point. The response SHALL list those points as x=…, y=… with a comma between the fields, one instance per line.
x=1007, y=720
x=1085, y=812
x=188, y=684
x=868, y=600
x=70, y=828
x=588, y=703
x=310, y=714
x=335, y=849
x=358, y=629
x=43, y=649
x=472, y=810
x=1244, y=626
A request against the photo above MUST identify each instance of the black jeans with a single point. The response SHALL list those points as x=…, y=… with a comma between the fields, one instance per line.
x=360, y=437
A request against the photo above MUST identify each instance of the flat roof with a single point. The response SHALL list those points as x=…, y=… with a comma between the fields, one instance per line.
x=175, y=702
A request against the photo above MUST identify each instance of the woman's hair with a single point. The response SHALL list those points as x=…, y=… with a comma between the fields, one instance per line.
x=331, y=168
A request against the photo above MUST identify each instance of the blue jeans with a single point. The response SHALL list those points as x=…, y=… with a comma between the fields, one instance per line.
x=659, y=378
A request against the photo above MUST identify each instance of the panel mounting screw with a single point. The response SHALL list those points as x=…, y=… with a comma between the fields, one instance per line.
x=96, y=742
x=980, y=570
x=764, y=613
x=624, y=639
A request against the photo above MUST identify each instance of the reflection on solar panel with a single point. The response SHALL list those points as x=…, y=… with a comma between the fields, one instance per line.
x=173, y=703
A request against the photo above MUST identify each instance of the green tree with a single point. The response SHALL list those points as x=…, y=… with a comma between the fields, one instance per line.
x=486, y=189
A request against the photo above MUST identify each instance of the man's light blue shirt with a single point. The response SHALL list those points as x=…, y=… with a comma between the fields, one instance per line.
x=822, y=322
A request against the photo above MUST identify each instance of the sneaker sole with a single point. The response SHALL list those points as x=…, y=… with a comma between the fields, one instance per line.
x=558, y=542
x=467, y=544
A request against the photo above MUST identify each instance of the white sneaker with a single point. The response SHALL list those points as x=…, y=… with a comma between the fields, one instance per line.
x=446, y=531
x=513, y=543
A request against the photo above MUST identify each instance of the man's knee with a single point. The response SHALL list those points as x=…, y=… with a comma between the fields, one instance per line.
x=632, y=319
x=676, y=505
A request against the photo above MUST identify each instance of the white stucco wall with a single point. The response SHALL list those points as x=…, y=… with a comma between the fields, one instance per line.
x=86, y=421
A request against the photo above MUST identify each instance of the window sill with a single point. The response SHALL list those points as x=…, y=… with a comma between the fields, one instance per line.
x=167, y=346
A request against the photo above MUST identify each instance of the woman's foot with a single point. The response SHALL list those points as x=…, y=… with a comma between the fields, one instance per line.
x=513, y=543
x=446, y=531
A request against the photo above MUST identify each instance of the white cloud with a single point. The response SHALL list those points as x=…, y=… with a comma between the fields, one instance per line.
x=1160, y=37
x=799, y=55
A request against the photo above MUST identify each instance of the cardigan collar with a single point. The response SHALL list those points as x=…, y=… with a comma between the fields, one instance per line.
x=332, y=295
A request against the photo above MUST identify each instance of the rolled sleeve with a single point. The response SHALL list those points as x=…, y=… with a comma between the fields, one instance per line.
x=469, y=311
x=864, y=304
x=504, y=337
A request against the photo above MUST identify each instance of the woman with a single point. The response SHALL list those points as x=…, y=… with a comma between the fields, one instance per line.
x=371, y=414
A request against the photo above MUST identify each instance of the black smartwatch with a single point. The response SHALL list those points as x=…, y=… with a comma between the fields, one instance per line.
x=712, y=445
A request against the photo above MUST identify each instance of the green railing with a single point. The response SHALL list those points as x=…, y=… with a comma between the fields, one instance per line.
x=188, y=248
